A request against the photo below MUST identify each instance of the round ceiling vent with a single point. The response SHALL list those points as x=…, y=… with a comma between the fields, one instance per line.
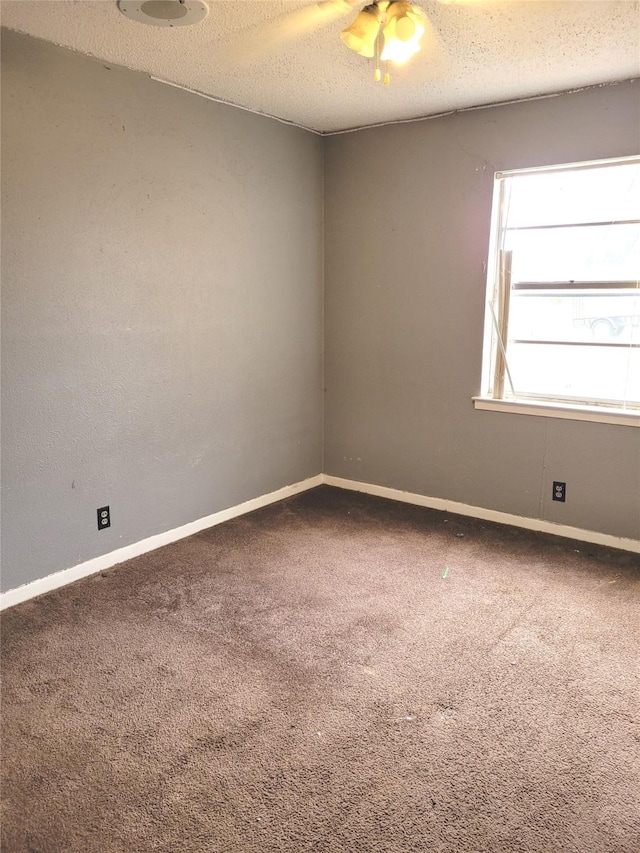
x=165, y=13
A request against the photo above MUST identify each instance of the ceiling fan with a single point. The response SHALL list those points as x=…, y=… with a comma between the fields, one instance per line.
x=389, y=31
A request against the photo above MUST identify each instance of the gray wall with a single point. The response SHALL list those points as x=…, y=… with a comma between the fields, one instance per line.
x=162, y=307
x=407, y=218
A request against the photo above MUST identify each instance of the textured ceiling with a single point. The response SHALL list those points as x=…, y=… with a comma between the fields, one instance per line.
x=285, y=59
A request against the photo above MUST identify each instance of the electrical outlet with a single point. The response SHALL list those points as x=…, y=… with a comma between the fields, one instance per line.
x=559, y=491
x=104, y=517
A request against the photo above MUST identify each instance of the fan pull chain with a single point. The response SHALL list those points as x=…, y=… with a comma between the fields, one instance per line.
x=377, y=74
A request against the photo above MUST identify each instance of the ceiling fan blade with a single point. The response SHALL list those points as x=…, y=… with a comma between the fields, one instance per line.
x=259, y=41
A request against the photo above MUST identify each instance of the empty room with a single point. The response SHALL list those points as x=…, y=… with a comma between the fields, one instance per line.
x=320, y=426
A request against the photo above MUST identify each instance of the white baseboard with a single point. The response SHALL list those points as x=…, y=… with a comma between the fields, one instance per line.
x=105, y=561
x=538, y=524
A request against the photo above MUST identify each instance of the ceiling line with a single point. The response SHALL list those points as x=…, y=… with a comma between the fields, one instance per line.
x=234, y=105
x=479, y=107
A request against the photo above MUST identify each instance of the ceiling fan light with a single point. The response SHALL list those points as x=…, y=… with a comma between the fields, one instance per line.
x=362, y=33
x=405, y=27
x=399, y=52
x=402, y=32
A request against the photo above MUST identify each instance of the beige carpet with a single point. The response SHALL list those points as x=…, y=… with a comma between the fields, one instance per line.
x=332, y=673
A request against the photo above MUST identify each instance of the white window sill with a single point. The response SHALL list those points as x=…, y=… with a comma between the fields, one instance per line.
x=599, y=414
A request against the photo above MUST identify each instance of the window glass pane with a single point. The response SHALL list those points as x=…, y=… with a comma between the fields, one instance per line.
x=593, y=253
x=576, y=373
x=576, y=316
x=601, y=194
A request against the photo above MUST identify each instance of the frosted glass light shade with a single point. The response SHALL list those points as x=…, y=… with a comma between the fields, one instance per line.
x=362, y=33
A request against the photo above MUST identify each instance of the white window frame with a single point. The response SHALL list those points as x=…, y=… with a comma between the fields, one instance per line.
x=489, y=399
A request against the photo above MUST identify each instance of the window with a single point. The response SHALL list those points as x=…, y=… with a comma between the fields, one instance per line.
x=562, y=328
